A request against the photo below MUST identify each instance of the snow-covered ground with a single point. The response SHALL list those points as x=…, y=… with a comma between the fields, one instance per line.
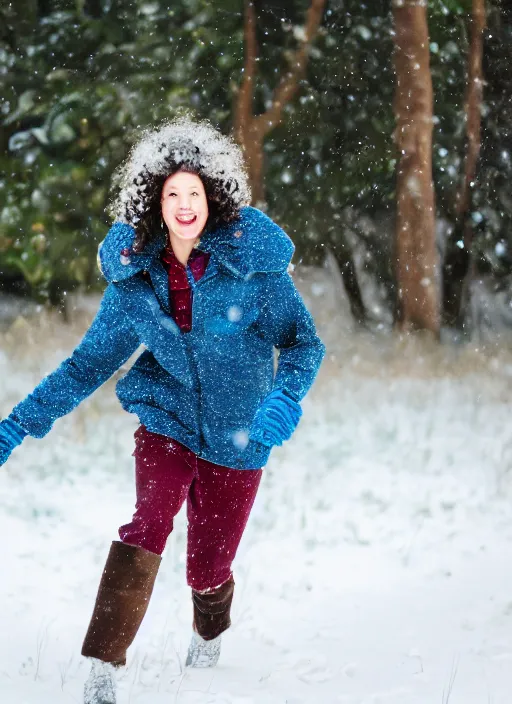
x=377, y=565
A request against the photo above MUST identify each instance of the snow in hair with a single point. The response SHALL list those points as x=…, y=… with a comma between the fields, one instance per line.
x=183, y=141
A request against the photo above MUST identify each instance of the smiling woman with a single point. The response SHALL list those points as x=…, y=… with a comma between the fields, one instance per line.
x=200, y=278
x=184, y=211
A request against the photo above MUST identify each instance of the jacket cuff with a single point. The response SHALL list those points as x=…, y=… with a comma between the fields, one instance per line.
x=14, y=430
x=288, y=393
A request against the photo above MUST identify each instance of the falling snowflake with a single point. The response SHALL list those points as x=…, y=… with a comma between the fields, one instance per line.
x=234, y=314
x=241, y=439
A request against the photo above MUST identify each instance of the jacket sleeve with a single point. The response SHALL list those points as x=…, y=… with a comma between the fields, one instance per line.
x=287, y=323
x=107, y=344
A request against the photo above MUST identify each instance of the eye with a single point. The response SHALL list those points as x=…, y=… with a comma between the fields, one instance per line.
x=195, y=193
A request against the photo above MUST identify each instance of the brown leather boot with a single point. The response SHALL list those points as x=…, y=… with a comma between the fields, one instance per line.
x=123, y=597
x=212, y=610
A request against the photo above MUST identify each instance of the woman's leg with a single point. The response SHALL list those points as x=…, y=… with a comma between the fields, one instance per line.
x=218, y=507
x=163, y=477
x=164, y=470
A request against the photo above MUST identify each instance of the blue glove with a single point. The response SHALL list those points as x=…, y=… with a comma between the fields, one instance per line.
x=11, y=435
x=275, y=419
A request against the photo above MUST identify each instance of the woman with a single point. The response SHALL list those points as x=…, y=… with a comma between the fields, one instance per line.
x=200, y=279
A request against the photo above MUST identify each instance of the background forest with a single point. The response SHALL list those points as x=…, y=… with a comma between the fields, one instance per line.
x=319, y=95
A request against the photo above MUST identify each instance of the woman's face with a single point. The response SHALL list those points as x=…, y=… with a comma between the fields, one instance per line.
x=184, y=205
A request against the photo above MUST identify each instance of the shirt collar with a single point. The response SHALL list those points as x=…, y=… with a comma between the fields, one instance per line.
x=169, y=257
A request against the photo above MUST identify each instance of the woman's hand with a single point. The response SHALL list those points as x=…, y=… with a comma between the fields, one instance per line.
x=276, y=419
x=11, y=435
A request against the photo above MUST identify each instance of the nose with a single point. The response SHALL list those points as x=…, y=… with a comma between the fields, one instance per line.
x=184, y=202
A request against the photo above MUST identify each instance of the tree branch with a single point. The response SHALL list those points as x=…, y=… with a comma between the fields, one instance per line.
x=288, y=84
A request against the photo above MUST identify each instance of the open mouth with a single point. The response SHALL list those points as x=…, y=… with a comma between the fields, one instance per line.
x=186, y=219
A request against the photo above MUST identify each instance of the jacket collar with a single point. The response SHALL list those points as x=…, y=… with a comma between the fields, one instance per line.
x=251, y=244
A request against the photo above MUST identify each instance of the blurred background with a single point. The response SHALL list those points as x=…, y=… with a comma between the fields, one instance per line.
x=375, y=568
x=333, y=104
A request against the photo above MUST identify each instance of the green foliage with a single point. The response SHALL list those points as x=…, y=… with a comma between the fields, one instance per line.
x=76, y=88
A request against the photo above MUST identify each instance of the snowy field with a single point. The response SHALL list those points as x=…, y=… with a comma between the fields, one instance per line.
x=377, y=565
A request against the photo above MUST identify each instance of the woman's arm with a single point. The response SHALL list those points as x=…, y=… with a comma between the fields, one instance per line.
x=108, y=343
x=287, y=323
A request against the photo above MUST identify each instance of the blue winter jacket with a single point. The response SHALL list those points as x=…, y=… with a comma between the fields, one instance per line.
x=203, y=387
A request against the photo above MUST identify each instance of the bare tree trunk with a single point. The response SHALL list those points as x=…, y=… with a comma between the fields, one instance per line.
x=416, y=252
x=247, y=132
x=341, y=251
x=458, y=266
x=250, y=130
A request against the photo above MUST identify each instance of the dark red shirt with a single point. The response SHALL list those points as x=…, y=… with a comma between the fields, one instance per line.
x=180, y=294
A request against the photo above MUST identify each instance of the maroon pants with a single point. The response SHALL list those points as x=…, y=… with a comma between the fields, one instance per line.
x=219, y=500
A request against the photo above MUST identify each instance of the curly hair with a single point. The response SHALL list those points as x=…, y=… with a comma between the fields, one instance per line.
x=222, y=208
x=179, y=145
